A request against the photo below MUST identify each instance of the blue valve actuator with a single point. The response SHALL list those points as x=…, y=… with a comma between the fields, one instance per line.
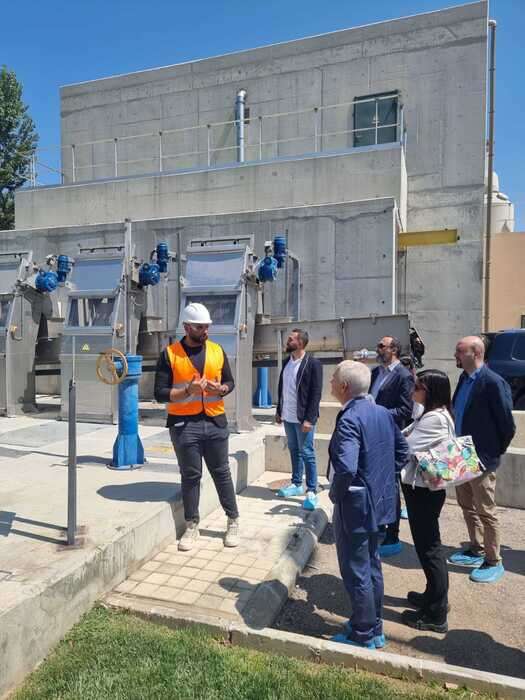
x=46, y=281
x=267, y=269
x=63, y=268
x=149, y=274
x=163, y=256
x=279, y=250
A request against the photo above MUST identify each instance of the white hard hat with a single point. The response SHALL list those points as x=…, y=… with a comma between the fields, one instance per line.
x=196, y=313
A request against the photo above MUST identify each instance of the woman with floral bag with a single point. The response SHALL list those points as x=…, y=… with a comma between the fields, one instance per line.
x=432, y=424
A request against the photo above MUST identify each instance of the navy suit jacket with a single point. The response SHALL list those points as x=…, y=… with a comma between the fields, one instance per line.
x=366, y=452
x=488, y=416
x=396, y=394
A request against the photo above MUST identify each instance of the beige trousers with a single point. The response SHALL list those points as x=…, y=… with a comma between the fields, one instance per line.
x=477, y=499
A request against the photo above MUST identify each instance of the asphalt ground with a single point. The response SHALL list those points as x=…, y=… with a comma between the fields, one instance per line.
x=486, y=621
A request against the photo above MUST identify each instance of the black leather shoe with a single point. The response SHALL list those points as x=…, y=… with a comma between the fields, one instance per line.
x=418, y=620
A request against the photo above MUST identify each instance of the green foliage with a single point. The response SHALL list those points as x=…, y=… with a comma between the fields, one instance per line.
x=116, y=655
x=18, y=140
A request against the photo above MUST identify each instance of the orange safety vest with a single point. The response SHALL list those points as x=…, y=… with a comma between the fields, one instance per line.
x=183, y=372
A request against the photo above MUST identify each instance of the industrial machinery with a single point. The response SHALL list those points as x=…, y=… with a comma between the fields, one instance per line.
x=113, y=298
x=26, y=307
x=221, y=274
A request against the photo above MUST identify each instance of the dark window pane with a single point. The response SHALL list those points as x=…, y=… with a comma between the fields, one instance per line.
x=221, y=307
x=73, y=313
x=375, y=112
x=387, y=135
x=518, y=351
x=387, y=111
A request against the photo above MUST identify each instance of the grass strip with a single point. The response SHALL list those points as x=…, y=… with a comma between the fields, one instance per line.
x=115, y=655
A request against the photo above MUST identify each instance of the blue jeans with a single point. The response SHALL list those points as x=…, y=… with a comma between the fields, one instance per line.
x=302, y=453
x=360, y=566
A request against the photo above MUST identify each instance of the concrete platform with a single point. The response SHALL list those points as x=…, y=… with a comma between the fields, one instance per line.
x=126, y=517
x=246, y=584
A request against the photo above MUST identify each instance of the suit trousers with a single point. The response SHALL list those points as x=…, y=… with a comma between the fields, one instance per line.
x=424, y=507
x=477, y=499
x=360, y=566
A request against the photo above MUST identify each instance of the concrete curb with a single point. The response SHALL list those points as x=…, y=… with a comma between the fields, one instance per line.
x=270, y=595
x=323, y=651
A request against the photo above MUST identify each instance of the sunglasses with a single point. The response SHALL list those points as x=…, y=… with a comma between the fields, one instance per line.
x=381, y=346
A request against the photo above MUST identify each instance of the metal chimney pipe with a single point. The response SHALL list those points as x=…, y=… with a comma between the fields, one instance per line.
x=490, y=173
x=240, y=105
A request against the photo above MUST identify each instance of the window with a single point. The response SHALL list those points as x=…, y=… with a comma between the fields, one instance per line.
x=522, y=320
x=87, y=312
x=375, y=119
x=221, y=307
x=518, y=351
x=4, y=311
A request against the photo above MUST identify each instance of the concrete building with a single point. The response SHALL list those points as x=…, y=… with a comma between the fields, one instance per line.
x=350, y=139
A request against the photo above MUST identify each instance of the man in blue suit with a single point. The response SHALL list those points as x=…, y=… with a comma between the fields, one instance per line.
x=483, y=409
x=366, y=452
x=392, y=387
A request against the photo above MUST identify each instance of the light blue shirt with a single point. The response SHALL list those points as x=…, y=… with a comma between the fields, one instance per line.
x=381, y=377
x=462, y=397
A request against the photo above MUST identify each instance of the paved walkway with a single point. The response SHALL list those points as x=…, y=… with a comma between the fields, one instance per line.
x=215, y=580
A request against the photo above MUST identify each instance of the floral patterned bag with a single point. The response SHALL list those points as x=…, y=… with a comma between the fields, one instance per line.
x=452, y=462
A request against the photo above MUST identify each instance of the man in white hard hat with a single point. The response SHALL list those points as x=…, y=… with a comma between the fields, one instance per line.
x=193, y=376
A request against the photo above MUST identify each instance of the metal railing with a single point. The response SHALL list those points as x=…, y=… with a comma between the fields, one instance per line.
x=327, y=128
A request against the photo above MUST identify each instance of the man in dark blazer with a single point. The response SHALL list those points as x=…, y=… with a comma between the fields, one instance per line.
x=299, y=396
x=366, y=454
x=392, y=387
x=483, y=409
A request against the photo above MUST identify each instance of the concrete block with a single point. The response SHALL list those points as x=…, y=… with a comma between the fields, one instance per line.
x=519, y=438
x=510, y=481
x=278, y=457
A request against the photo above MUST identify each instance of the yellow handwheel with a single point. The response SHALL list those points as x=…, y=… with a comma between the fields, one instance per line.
x=107, y=369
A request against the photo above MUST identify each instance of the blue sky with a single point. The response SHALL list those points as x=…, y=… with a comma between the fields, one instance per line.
x=58, y=42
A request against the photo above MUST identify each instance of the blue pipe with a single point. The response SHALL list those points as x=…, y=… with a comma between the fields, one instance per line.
x=128, y=452
x=262, y=397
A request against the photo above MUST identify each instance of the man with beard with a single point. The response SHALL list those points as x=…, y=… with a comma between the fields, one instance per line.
x=193, y=376
x=300, y=388
x=392, y=387
x=483, y=409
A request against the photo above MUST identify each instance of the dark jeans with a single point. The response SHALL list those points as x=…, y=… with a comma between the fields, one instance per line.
x=392, y=530
x=424, y=507
x=192, y=441
x=360, y=566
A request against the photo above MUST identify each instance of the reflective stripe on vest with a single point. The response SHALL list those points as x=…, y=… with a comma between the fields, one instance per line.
x=183, y=371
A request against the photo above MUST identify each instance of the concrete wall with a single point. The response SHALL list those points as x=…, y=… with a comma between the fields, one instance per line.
x=342, y=272
x=507, y=292
x=363, y=174
x=437, y=62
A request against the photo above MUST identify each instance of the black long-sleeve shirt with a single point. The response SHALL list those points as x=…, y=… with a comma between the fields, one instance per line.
x=164, y=382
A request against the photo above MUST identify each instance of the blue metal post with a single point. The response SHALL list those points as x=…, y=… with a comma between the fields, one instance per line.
x=128, y=452
x=262, y=398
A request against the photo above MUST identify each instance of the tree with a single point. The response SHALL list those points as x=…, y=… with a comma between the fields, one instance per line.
x=18, y=140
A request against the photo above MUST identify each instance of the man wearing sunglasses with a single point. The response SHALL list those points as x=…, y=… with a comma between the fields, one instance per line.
x=392, y=387
x=193, y=377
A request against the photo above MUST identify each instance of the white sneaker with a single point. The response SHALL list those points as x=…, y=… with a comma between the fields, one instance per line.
x=190, y=537
x=232, y=537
